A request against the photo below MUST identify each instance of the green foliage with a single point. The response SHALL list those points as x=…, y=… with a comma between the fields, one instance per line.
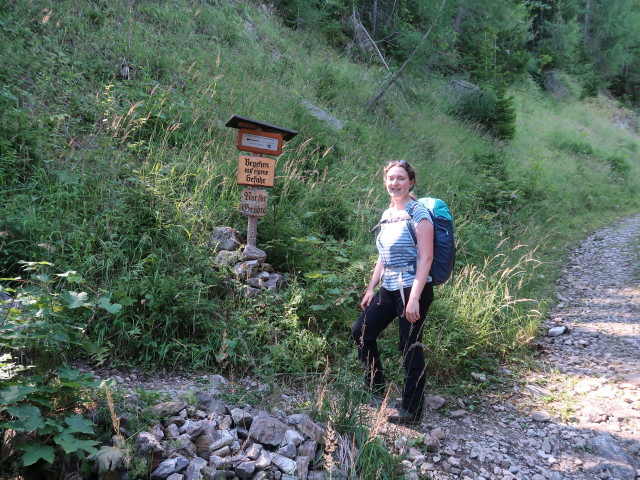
x=494, y=110
x=474, y=325
x=45, y=317
x=570, y=142
x=123, y=179
x=593, y=41
x=38, y=408
x=41, y=324
x=374, y=459
x=619, y=165
x=491, y=40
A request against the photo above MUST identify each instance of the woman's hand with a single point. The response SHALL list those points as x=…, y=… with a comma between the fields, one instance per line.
x=366, y=300
x=412, y=311
x=373, y=283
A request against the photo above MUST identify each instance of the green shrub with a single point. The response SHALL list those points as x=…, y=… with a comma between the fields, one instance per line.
x=619, y=165
x=493, y=109
x=40, y=399
x=570, y=142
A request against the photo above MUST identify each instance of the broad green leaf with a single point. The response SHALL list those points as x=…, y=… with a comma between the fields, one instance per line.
x=318, y=274
x=34, y=452
x=75, y=299
x=127, y=301
x=79, y=424
x=71, y=377
x=108, y=306
x=71, y=276
x=107, y=458
x=28, y=417
x=59, y=337
x=52, y=426
x=42, y=277
x=41, y=400
x=71, y=444
x=310, y=239
x=15, y=393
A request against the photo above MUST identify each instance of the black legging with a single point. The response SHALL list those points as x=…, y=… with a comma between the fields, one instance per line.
x=385, y=306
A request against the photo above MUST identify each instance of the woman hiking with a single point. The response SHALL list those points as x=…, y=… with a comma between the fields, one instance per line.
x=403, y=267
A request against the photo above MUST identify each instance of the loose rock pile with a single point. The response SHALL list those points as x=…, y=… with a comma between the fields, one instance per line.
x=247, y=262
x=214, y=441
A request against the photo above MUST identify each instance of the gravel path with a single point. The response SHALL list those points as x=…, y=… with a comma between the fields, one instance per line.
x=577, y=417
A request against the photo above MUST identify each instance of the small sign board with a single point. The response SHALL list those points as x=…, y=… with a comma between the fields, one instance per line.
x=256, y=171
x=259, y=142
x=236, y=121
x=254, y=202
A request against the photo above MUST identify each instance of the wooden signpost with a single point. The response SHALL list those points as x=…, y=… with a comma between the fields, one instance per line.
x=256, y=170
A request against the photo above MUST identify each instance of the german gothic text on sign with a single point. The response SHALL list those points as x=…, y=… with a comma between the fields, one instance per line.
x=256, y=171
x=254, y=202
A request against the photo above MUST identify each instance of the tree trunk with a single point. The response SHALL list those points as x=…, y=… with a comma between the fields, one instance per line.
x=393, y=79
x=458, y=20
x=374, y=18
x=587, y=22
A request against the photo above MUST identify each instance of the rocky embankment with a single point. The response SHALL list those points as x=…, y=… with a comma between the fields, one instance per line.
x=577, y=417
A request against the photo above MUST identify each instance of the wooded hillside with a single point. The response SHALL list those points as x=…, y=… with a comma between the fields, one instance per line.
x=116, y=167
x=488, y=42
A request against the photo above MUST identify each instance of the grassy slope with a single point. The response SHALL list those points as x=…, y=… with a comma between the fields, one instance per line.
x=122, y=180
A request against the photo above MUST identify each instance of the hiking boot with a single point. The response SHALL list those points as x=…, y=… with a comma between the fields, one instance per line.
x=406, y=417
x=376, y=401
x=372, y=399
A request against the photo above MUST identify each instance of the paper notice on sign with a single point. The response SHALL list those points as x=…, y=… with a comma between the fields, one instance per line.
x=260, y=142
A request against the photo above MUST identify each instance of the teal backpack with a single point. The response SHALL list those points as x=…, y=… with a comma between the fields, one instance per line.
x=444, y=244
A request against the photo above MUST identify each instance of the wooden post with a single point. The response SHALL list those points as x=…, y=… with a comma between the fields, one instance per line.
x=252, y=229
x=252, y=223
x=259, y=138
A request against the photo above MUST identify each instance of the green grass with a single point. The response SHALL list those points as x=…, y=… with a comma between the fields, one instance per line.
x=123, y=181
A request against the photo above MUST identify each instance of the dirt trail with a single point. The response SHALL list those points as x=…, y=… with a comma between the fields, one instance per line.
x=578, y=417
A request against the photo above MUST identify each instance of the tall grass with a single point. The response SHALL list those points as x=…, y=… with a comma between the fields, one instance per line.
x=126, y=178
x=480, y=315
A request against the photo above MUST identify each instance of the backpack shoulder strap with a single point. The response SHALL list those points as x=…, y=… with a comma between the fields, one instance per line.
x=384, y=219
x=410, y=227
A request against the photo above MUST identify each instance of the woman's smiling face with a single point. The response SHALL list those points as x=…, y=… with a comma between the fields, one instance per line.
x=397, y=182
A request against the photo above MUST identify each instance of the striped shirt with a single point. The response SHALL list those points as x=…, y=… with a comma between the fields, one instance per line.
x=396, y=247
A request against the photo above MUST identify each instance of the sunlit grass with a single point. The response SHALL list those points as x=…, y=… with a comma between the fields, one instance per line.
x=139, y=172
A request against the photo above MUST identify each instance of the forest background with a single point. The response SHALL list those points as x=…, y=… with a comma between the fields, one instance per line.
x=520, y=114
